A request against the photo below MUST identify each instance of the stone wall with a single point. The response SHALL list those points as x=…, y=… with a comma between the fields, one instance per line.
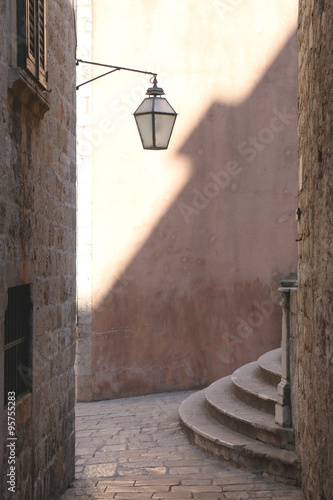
x=84, y=205
x=313, y=350
x=181, y=251
x=37, y=247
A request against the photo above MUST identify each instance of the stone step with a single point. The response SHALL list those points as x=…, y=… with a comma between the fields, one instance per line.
x=229, y=410
x=255, y=391
x=270, y=366
x=223, y=443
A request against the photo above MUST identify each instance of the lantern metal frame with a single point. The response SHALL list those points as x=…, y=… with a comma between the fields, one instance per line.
x=154, y=100
x=153, y=92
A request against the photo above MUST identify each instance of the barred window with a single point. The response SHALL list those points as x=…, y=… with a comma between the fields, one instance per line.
x=18, y=342
x=31, y=38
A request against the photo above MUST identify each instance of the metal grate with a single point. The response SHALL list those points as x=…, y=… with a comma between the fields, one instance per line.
x=18, y=336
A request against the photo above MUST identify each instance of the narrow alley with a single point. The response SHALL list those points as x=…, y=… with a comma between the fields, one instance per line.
x=134, y=448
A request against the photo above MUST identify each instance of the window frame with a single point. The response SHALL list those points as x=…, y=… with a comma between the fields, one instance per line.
x=17, y=368
x=31, y=38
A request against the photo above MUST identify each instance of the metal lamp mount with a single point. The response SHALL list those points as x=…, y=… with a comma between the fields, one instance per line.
x=155, y=118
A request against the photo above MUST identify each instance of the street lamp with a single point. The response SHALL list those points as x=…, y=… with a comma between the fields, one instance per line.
x=155, y=118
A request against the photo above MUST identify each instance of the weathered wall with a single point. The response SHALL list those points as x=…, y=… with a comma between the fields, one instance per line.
x=314, y=358
x=84, y=207
x=188, y=245
x=37, y=246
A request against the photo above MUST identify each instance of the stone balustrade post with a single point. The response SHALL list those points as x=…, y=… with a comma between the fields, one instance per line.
x=283, y=406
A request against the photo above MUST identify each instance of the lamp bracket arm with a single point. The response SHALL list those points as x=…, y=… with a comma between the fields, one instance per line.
x=115, y=68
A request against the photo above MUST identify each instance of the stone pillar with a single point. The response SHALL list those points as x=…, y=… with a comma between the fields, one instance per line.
x=283, y=406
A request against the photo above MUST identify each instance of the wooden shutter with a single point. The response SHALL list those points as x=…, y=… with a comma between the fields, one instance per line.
x=31, y=45
x=41, y=41
x=31, y=28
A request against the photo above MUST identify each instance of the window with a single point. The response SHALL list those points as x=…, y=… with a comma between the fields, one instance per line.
x=18, y=341
x=31, y=38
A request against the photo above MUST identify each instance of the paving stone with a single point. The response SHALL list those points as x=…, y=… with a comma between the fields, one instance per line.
x=165, y=466
x=114, y=447
x=172, y=495
x=166, y=480
x=235, y=479
x=294, y=497
x=208, y=496
x=130, y=471
x=100, y=470
x=129, y=496
x=101, y=458
x=259, y=494
x=197, y=481
x=121, y=481
x=198, y=489
x=239, y=495
x=139, y=452
x=80, y=461
x=112, y=440
x=85, y=451
x=249, y=487
x=185, y=470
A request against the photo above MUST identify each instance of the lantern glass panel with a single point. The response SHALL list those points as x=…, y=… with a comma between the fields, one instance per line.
x=145, y=126
x=161, y=105
x=146, y=106
x=163, y=128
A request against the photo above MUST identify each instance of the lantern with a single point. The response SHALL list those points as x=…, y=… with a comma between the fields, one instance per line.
x=155, y=119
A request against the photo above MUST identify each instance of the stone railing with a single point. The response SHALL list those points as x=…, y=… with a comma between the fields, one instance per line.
x=283, y=406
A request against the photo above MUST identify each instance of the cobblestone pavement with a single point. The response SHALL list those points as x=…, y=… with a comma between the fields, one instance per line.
x=134, y=448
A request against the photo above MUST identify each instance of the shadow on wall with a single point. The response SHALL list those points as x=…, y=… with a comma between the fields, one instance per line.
x=199, y=299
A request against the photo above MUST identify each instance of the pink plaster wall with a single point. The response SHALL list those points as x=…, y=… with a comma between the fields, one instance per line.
x=197, y=298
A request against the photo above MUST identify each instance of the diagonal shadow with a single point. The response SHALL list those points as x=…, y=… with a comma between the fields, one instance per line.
x=198, y=300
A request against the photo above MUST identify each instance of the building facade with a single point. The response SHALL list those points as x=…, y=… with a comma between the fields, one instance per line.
x=180, y=252
x=37, y=247
x=312, y=313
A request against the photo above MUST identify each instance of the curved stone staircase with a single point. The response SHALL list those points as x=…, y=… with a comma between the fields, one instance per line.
x=233, y=419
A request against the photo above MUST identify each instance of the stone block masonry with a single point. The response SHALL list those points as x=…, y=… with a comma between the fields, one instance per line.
x=37, y=247
x=312, y=360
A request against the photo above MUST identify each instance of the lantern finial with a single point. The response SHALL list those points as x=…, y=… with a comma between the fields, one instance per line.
x=155, y=90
